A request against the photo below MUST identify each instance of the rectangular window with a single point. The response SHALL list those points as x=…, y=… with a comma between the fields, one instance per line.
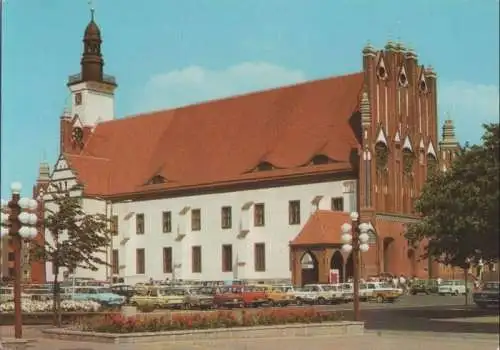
x=167, y=221
x=114, y=225
x=167, y=259
x=260, y=257
x=338, y=204
x=139, y=224
x=78, y=98
x=259, y=215
x=227, y=258
x=294, y=212
x=11, y=256
x=226, y=221
x=195, y=220
x=196, y=259
x=140, y=261
x=115, y=261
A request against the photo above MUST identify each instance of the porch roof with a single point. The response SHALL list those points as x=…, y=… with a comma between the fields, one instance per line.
x=322, y=228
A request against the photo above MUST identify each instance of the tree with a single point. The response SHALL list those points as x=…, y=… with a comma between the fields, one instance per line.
x=77, y=240
x=460, y=207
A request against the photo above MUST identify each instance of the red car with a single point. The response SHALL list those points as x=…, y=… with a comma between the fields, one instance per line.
x=240, y=296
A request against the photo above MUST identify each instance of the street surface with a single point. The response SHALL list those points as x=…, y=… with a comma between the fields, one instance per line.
x=414, y=322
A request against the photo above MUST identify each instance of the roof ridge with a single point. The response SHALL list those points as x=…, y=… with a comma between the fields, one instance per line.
x=228, y=98
x=86, y=156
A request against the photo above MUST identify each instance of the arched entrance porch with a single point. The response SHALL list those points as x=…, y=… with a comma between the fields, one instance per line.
x=388, y=255
x=309, y=268
x=337, y=263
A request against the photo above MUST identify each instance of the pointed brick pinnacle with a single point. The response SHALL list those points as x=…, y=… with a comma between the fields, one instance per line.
x=366, y=118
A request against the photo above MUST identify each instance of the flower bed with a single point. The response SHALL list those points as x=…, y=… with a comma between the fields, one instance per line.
x=30, y=306
x=208, y=320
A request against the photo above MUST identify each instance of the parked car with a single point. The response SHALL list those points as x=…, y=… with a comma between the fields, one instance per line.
x=253, y=296
x=488, y=295
x=276, y=296
x=101, y=295
x=453, y=287
x=39, y=293
x=124, y=290
x=382, y=292
x=199, y=298
x=327, y=294
x=226, y=296
x=159, y=297
x=347, y=290
x=7, y=294
x=305, y=295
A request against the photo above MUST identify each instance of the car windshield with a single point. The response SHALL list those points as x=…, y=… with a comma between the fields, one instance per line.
x=103, y=290
x=328, y=288
x=447, y=283
x=385, y=285
x=491, y=286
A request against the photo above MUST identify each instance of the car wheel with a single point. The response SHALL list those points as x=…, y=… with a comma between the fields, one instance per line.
x=455, y=293
x=380, y=299
x=321, y=301
x=298, y=301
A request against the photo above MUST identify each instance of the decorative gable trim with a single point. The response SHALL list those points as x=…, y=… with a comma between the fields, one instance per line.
x=381, y=137
x=407, y=144
x=431, y=150
x=77, y=123
x=421, y=146
x=397, y=136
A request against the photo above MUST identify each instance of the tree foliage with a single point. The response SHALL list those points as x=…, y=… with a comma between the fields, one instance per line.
x=74, y=239
x=460, y=207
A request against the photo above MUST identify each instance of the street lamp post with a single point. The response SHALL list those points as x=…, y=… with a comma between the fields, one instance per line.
x=19, y=220
x=355, y=238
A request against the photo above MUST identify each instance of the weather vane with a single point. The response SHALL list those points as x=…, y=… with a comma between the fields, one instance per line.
x=398, y=30
x=92, y=9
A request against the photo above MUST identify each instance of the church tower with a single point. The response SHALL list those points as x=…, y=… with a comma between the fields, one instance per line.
x=92, y=91
x=449, y=145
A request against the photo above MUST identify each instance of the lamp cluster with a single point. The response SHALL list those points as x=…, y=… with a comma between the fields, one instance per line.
x=362, y=238
x=21, y=210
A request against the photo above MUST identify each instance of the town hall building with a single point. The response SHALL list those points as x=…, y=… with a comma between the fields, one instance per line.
x=254, y=187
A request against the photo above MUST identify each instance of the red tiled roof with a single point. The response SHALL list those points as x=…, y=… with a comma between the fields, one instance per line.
x=224, y=140
x=323, y=227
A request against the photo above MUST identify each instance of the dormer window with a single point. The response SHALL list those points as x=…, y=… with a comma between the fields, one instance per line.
x=157, y=179
x=320, y=159
x=264, y=166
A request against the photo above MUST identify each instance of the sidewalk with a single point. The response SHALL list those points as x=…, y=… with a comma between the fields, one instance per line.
x=372, y=341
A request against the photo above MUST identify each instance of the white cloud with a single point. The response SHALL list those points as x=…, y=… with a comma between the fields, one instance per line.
x=469, y=105
x=194, y=84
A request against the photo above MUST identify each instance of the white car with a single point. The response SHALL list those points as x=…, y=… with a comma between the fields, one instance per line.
x=347, y=291
x=327, y=293
x=452, y=287
x=305, y=295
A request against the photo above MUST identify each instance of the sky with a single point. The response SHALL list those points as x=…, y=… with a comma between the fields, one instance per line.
x=167, y=53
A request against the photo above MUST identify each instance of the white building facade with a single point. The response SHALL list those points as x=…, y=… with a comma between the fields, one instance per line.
x=240, y=235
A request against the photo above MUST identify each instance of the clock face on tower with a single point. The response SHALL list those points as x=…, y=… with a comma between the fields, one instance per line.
x=77, y=134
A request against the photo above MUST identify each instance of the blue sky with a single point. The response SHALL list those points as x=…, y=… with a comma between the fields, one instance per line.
x=167, y=53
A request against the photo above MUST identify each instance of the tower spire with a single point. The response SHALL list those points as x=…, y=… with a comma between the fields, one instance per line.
x=92, y=10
